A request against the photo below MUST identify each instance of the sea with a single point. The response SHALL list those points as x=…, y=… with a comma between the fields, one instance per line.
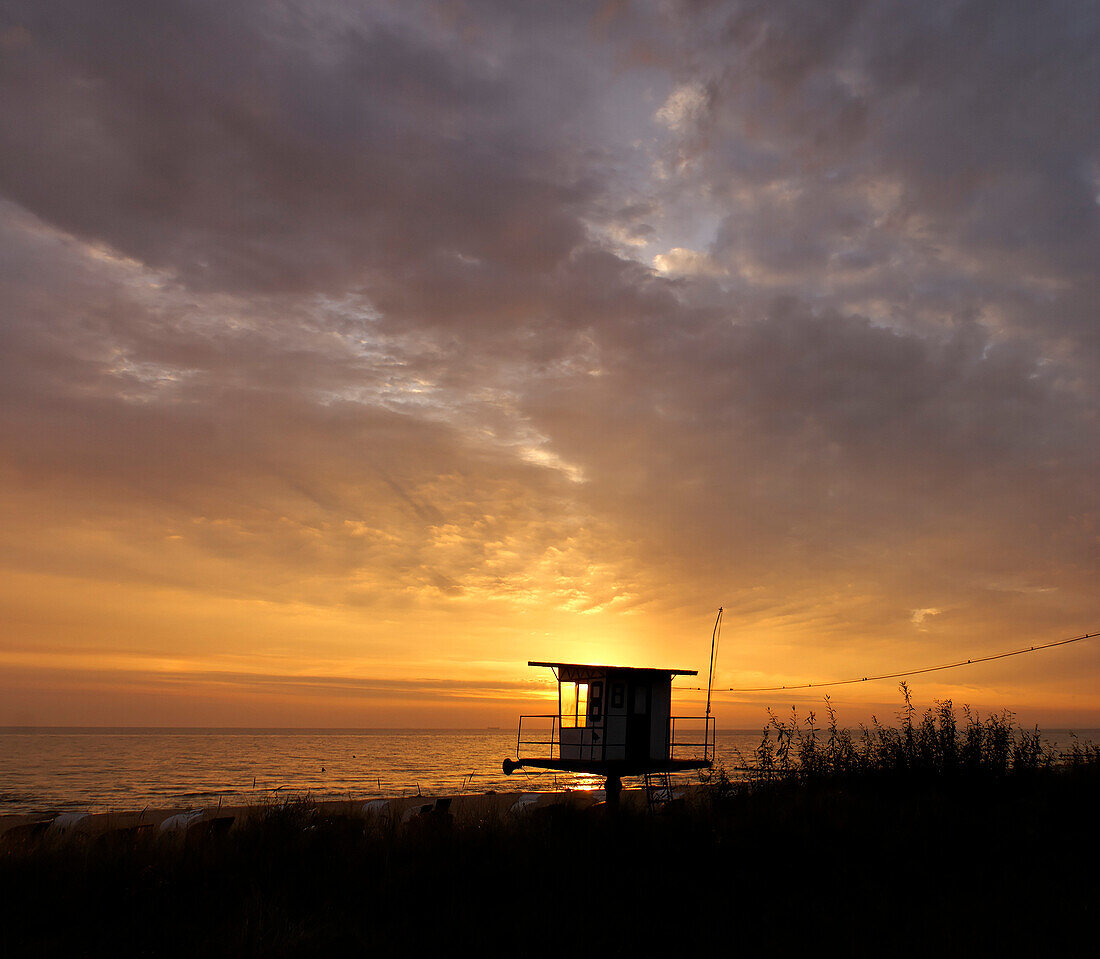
x=67, y=769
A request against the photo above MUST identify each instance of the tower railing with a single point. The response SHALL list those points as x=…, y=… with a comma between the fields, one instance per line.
x=704, y=727
x=543, y=740
x=539, y=737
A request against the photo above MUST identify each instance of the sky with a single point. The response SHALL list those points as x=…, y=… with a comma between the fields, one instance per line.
x=353, y=354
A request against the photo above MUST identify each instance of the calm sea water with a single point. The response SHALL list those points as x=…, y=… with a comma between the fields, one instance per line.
x=99, y=769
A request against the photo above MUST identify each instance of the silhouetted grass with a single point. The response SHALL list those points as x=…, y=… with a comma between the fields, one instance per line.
x=934, y=745
x=930, y=835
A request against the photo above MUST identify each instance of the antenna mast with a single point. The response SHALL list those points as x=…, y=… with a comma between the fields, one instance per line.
x=714, y=637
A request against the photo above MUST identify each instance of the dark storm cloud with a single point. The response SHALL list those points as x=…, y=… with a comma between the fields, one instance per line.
x=871, y=130
x=921, y=417
x=364, y=290
x=259, y=147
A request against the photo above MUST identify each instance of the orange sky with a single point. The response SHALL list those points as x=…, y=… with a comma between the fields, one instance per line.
x=355, y=355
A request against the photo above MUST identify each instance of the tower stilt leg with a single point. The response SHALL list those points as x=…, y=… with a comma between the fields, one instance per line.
x=612, y=790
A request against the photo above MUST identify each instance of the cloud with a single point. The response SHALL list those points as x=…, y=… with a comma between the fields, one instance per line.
x=684, y=105
x=262, y=149
x=686, y=263
x=920, y=615
x=510, y=311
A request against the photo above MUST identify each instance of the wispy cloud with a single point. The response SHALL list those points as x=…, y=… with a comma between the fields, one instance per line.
x=550, y=329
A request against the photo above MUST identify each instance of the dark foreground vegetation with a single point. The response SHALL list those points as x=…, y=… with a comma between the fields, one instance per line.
x=930, y=835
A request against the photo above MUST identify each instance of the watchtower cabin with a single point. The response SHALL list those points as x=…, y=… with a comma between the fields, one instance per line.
x=614, y=721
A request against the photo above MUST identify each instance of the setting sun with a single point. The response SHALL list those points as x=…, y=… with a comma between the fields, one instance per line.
x=356, y=356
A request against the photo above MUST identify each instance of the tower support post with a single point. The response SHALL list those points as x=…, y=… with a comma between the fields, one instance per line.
x=613, y=789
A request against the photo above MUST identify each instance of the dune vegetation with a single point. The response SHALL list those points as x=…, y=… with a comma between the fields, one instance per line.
x=946, y=831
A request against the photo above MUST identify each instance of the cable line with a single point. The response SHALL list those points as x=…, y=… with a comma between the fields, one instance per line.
x=908, y=672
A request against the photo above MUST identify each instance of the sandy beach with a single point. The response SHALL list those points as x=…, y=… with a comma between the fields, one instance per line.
x=194, y=821
x=850, y=865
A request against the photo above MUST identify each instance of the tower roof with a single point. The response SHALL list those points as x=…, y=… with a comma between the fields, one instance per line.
x=627, y=669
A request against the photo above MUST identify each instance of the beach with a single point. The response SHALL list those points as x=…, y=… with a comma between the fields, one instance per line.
x=859, y=867
x=20, y=828
x=935, y=835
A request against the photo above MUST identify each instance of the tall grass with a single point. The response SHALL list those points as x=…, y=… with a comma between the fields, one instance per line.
x=940, y=743
x=810, y=859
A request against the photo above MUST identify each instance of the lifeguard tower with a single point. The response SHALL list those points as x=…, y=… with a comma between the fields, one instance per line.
x=615, y=721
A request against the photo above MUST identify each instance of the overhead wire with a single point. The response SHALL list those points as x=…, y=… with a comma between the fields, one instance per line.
x=908, y=672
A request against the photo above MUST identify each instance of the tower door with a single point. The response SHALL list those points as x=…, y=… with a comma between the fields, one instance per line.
x=637, y=722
